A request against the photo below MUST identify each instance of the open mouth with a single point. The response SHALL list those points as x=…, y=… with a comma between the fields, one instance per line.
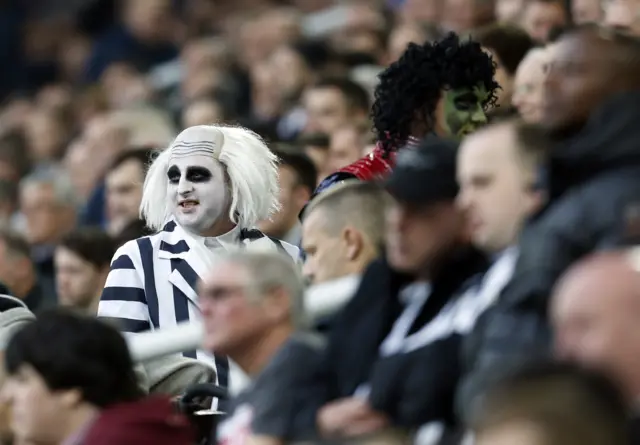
x=188, y=203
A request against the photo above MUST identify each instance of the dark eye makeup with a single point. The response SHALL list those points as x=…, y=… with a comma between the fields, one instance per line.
x=198, y=174
x=194, y=174
x=173, y=174
x=465, y=101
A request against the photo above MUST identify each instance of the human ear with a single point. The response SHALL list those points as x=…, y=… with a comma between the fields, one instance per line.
x=353, y=241
x=276, y=305
x=70, y=397
x=535, y=201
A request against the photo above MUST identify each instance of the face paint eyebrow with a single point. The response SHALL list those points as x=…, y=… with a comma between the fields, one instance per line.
x=173, y=174
x=198, y=174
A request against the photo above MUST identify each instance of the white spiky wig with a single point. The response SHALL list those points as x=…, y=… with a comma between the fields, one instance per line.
x=251, y=167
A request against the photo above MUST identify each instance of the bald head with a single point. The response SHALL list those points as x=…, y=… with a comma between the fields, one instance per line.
x=596, y=313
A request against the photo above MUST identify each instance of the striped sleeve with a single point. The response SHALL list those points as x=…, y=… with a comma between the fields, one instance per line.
x=123, y=299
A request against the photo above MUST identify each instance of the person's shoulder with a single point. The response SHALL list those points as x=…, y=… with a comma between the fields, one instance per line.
x=305, y=343
x=132, y=247
x=150, y=420
x=333, y=179
x=298, y=353
x=13, y=315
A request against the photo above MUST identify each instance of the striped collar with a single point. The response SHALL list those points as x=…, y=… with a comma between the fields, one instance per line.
x=176, y=241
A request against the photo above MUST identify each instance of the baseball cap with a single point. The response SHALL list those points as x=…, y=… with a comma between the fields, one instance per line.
x=426, y=173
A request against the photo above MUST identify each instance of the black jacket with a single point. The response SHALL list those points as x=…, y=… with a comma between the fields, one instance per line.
x=411, y=388
x=593, y=182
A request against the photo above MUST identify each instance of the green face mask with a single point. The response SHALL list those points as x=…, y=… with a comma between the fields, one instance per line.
x=464, y=111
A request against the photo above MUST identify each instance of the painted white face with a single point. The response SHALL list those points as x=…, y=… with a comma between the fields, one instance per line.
x=197, y=191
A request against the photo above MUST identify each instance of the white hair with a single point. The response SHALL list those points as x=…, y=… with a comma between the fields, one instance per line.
x=251, y=167
x=274, y=269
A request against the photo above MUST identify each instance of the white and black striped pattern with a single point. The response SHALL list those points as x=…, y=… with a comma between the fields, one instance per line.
x=152, y=285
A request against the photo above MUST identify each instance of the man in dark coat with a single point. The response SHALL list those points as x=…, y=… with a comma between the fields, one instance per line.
x=592, y=110
x=392, y=358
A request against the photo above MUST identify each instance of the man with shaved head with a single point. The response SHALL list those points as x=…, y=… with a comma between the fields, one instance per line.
x=591, y=110
x=595, y=312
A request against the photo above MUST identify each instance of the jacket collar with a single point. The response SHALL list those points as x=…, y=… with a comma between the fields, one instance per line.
x=176, y=242
x=178, y=245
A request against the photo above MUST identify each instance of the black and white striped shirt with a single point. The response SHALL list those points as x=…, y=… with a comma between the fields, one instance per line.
x=152, y=282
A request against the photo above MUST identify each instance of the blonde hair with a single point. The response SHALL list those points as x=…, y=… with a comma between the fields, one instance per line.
x=249, y=164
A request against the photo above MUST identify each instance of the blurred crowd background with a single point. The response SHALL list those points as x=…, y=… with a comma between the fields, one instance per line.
x=87, y=85
x=89, y=88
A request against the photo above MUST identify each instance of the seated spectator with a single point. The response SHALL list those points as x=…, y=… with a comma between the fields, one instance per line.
x=587, y=11
x=143, y=36
x=528, y=85
x=551, y=404
x=204, y=111
x=541, y=17
x=13, y=316
x=82, y=261
x=333, y=102
x=123, y=183
x=47, y=134
x=71, y=380
x=316, y=146
x=402, y=35
x=593, y=187
x=499, y=191
x=594, y=312
x=622, y=14
x=508, y=45
x=392, y=357
x=252, y=308
x=342, y=233
x=346, y=146
x=19, y=273
x=49, y=206
x=297, y=179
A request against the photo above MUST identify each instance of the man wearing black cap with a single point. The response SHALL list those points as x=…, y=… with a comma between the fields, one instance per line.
x=392, y=358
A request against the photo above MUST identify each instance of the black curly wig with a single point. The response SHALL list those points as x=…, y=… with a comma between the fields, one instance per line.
x=410, y=88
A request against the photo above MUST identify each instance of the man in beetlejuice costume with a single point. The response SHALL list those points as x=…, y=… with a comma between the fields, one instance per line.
x=443, y=88
x=202, y=195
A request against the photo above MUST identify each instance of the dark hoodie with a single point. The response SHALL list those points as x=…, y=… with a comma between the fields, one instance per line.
x=593, y=181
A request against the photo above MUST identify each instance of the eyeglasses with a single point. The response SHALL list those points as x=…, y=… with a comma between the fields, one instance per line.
x=219, y=293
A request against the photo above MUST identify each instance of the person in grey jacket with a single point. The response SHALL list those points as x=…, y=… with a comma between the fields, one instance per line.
x=13, y=316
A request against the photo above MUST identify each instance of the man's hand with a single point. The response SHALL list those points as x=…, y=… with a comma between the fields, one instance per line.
x=349, y=417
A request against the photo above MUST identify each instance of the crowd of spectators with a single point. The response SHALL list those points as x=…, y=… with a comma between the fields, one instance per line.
x=426, y=295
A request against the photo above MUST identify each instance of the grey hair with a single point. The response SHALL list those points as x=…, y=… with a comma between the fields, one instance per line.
x=58, y=179
x=269, y=270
